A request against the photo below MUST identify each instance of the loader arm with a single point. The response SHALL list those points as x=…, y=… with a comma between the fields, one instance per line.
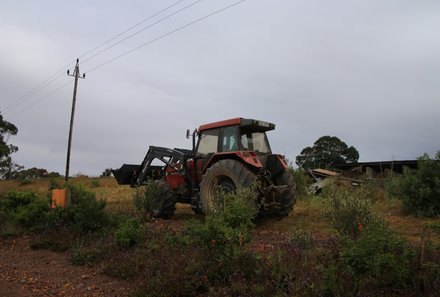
x=137, y=174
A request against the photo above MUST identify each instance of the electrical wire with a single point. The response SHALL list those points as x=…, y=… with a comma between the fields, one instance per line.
x=35, y=90
x=141, y=30
x=165, y=35
x=42, y=98
x=59, y=73
x=129, y=29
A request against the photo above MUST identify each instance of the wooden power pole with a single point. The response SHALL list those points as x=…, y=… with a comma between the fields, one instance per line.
x=72, y=115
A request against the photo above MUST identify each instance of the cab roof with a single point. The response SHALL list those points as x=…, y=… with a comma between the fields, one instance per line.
x=256, y=125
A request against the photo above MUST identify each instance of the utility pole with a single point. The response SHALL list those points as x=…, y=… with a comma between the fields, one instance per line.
x=72, y=115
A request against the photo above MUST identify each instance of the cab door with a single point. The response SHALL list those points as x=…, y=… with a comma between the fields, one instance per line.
x=207, y=146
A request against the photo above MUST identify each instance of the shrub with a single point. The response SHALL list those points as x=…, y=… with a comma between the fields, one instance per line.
x=25, y=209
x=230, y=226
x=83, y=254
x=96, y=183
x=378, y=259
x=14, y=200
x=85, y=213
x=419, y=188
x=128, y=233
x=301, y=180
x=144, y=198
x=371, y=255
x=33, y=215
x=349, y=211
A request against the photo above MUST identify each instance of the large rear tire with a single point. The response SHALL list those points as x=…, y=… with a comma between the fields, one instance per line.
x=287, y=199
x=225, y=175
x=164, y=203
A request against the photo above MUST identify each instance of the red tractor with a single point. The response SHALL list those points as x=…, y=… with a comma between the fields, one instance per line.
x=228, y=155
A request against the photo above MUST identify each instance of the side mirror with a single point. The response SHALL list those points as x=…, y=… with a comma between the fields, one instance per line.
x=188, y=133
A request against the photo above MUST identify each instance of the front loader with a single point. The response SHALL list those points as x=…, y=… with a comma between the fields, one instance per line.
x=229, y=155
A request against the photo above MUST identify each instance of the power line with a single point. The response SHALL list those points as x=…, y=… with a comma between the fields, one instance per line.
x=127, y=30
x=42, y=99
x=35, y=90
x=141, y=30
x=165, y=35
x=60, y=72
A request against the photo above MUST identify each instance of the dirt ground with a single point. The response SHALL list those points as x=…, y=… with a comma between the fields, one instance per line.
x=27, y=272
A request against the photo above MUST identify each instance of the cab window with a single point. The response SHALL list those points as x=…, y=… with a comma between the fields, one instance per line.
x=230, y=143
x=208, y=142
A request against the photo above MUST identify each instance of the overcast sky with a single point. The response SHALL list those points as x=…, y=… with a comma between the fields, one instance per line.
x=366, y=71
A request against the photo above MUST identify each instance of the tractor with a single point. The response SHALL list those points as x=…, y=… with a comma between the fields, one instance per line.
x=226, y=155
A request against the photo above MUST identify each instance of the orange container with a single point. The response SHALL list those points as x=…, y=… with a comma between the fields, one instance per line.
x=59, y=198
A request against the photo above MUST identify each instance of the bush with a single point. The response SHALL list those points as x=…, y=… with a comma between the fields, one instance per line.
x=349, y=211
x=83, y=254
x=231, y=226
x=301, y=180
x=128, y=233
x=25, y=209
x=33, y=215
x=144, y=198
x=419, y=188
x=14, y=200
x=85, y=213
x=378, y=259
x=372, y=256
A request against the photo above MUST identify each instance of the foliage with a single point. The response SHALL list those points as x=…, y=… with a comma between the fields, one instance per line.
x=144, y=198
x=33, y=173
x=372, y=256
x=230, y=227
x=26, y=209
x=14, y=200
x=128, y=233
x=85, y=213
x=327, y=152
x=419, y=188
x=95, y=183
x=107, y=172
x=378, y=259
x=349, y=211
x=301, y=180
x=6, y=164
x=33, y=215
x=83, y=254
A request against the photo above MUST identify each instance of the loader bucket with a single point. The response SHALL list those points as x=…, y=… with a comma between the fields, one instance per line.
x=126, y=175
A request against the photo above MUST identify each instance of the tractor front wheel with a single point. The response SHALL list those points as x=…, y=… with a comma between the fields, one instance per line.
x=164, y=202
x=227, y=176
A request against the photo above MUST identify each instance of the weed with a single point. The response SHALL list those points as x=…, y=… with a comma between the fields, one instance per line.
x=144, y=199
x=128, y=233
x=350, y=211
x=95, y=183
x=84, y=254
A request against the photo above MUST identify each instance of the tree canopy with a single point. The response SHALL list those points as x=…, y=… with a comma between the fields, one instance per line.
x=6, y=130
x=327, y=152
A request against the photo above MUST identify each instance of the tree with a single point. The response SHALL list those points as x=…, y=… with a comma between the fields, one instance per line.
x=6, y=164
x=327, y=152
x=107, y=172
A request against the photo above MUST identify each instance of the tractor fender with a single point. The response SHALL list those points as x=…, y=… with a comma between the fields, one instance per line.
x=248, y=157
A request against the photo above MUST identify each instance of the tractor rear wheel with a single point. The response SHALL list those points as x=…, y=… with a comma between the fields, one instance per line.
x=225, y=175
x=287, y=198
x=164, y=203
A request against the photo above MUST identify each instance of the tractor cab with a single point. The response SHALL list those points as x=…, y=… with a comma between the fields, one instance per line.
x=233, y=135
x=237, y=138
